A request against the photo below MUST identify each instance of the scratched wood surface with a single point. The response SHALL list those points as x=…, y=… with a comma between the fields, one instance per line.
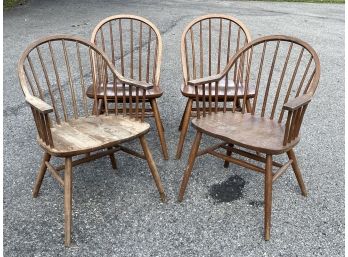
x=93, y=133
x=256, y=133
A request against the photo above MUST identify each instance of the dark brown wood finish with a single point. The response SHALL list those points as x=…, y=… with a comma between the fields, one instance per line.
x=207, y=44
x=134, y=46
x=285, y=73
x=53, y=73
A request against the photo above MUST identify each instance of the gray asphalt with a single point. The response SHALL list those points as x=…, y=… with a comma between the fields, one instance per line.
x=119, y=213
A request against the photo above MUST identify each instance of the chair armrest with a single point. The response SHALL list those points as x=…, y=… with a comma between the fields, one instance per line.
x=38, y=104
x=297, y=102
x=205, y=80
x=136, y=83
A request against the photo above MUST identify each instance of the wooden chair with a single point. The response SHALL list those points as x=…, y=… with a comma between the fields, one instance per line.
x=285, y=73
x=54, y=72
x=207, y=44
x=134, y=45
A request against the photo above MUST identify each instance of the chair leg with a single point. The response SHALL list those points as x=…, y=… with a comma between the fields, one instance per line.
x=184, y=128
x=292, y=156
x=268, y=197
x=96, y=106
x=113, y=160
x=190, y=164
x=153, y=168
x=228, y=153
x=248, y=106
x=41, y=173
x=160, y=129
x=102, y=107
x=182, y=117
x=67, y=200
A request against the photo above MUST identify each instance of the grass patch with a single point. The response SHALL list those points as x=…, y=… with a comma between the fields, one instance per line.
x=309, y=1
x=12, y=3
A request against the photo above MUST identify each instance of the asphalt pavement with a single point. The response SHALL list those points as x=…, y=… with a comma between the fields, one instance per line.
x=118, y=213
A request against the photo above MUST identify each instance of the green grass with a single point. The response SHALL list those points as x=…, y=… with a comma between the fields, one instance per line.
x=12, y=3
x=308, y=1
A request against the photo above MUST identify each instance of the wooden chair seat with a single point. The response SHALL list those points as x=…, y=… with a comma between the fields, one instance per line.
x=189, y=91
x=246, y=130
x=152, y=93
x=93, y=133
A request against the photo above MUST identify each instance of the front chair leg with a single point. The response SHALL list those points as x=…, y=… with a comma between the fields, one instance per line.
x=184, y=128
x=160, y=129
x=152, y=167
x=41, y=174
x=294, y=164
x=67, y=200
x=268, y=197
x=182, y=117
x=189, y=167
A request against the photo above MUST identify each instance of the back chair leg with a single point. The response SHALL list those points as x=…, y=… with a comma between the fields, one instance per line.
x=228, y=153
x=184, y=128
x=160, y=129
x=248, y=106
x=268, y=197
x=67, y=200
x=191, y=162
x=153, y=168
x=182, y=117
x=291, y=155
x=113, y=160
x=41, y=174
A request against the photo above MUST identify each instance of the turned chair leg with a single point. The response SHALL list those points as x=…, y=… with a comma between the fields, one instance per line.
x=113, y=159
x=184, y=128
x=153, y=168
x=182, y=117
x=189, y=167
x=41, y=174
x=160, y=129
x=67, y=201
x=268, y=197
x=294, y=164
x=228, y=153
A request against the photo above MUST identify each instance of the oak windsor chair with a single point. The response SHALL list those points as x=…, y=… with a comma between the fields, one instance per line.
x=54, y=72
x=285, y=72
x=134, y=45
x=207, y=44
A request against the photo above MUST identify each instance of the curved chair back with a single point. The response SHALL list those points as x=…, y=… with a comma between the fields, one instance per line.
x=284, y=72
x=55, y=72
x=134, y=45
x=208, y=43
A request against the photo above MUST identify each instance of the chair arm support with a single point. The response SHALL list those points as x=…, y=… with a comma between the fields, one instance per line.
x=201, y=81
x=297, y=102
x=136, y=83
x=38, y=104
